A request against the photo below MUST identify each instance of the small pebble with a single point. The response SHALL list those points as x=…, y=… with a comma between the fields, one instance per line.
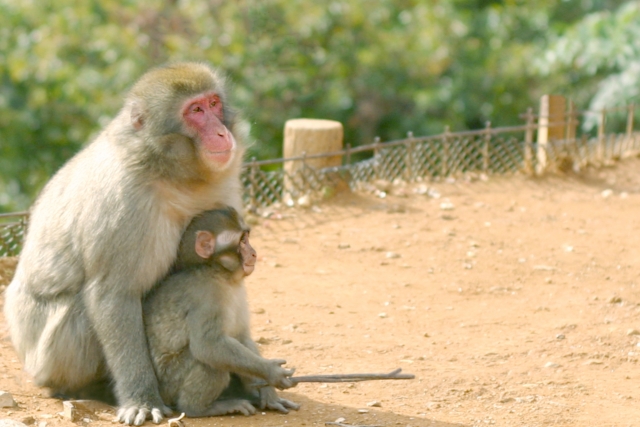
x=633, y=332
x=304, y=202
x=421, y=189
x=374, y=404
x=392, y=255
x=433, y=405
x=383, y=185
x=69, y=411
x=446, y=206
x=396, y=208
x=6, y=400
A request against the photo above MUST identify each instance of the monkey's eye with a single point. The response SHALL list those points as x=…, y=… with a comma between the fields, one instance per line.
x=213, y=103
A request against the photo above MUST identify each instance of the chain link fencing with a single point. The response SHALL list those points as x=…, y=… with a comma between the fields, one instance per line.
x=490, y=151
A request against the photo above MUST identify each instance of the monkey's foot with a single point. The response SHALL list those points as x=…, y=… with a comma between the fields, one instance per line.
x=269, y=399
x=137, y=415
x=232, y=406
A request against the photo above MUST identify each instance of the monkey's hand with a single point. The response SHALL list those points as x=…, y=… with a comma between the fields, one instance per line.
x=279, y=376
x=137, y=415
x=269, y=399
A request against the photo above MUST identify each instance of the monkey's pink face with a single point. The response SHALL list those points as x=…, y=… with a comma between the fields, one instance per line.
x=204, y=115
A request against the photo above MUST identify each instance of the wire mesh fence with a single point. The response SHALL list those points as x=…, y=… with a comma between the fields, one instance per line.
x=12, y=229
x=490, y=151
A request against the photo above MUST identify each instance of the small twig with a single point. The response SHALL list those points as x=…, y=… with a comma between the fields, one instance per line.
x=331, y=423
x=345, y=378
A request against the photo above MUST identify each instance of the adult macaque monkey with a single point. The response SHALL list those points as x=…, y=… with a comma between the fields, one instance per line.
x=197, y=324
x=106, y=228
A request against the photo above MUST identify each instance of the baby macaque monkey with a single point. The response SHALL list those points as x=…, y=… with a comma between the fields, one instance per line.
x=197, y=324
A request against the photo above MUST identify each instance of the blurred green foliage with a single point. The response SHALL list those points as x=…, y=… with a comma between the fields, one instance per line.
x=381, y=67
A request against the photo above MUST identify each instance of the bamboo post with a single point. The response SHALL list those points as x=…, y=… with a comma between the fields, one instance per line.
x=408, y=161
x=445, y=152
x=311, y=137
x=600, y=154
x=376, y=157
x=528, y=142
x=347, y=155
x=485, y=147
x=253, y=190
x=570, y=130
x=572, y=122
x=550, y=127
x=629, y=134
x=584, y=159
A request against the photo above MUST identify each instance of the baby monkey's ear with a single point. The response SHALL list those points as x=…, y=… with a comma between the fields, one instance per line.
x=205, y=244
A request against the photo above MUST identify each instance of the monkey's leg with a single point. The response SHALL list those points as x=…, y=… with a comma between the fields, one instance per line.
x=200, y=390
x=55, y=340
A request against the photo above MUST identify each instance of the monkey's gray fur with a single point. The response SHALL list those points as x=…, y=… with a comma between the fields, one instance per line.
x=105, y=229
x=197, y=324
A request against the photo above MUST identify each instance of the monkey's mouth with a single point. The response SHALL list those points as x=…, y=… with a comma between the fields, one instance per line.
x=219, y=156
x=248, y=268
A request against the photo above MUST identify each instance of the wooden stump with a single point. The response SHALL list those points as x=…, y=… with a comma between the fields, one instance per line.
x=309, y=137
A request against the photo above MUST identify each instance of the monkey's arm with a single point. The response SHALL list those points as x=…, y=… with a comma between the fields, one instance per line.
x=211, y=346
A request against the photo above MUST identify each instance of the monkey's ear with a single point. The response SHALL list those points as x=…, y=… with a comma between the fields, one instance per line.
x=137, y=116
x=205, y=244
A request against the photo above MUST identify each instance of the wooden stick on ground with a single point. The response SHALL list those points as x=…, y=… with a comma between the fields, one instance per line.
x=349, y=378
x=345, y=378
x=331, y=423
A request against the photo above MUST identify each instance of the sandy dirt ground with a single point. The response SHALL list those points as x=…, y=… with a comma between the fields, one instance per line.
x=514, y=301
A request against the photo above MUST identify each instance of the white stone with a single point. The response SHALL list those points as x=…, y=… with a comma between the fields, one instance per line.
x=6, y=400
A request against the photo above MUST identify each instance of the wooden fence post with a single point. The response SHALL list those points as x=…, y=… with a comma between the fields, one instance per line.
x=485, y=147
x=377, y=165
x=445, y=152
x=528, y=142
x=572, y=122
x=253, y=190
x=408, y=160
x=310, y=136
x=600, y=154
x=551, y=126
x=629, y=145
